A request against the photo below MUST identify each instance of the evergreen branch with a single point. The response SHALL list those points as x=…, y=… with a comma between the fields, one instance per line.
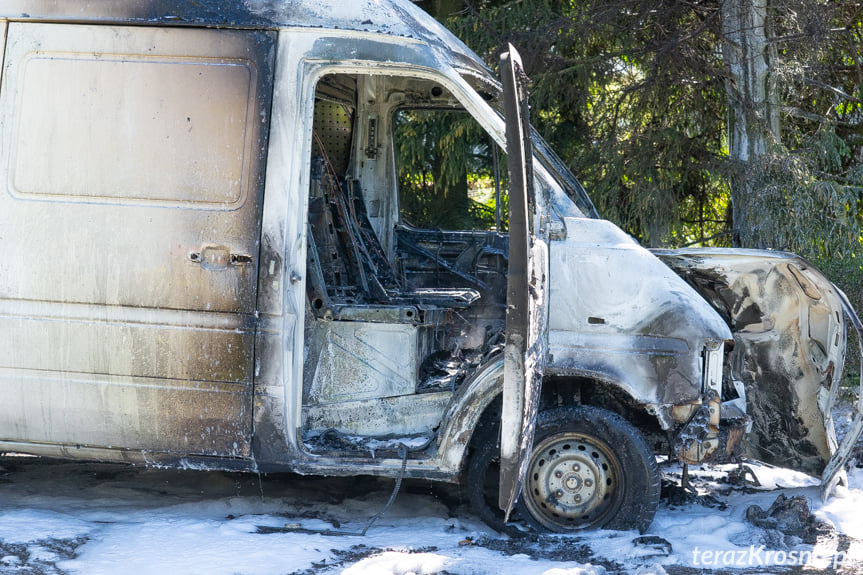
x=707, y=239
x=485, y=23
x=833, y=89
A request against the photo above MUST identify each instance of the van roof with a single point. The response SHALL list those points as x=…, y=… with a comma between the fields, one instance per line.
x=390, y=17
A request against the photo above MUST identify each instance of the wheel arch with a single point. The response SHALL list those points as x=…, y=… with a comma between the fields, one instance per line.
x=465, y=412
x=474, y=404
x=610, y=395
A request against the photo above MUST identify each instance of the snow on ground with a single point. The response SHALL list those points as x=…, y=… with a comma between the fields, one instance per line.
x=61, y=517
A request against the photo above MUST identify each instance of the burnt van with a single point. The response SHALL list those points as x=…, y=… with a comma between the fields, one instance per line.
x=223, y=246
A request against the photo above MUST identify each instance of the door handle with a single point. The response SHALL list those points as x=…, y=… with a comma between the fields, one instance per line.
x=215, y=258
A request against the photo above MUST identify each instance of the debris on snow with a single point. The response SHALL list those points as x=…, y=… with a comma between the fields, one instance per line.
x=788, y=515
x=653, y=545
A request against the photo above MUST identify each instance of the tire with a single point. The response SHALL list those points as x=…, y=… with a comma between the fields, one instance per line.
x=483, y=472
x=589, y=469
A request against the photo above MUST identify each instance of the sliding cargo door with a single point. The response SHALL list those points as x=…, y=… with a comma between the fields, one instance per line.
x=131, y=178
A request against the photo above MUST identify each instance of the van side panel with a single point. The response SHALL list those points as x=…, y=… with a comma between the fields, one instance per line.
x=131, y=184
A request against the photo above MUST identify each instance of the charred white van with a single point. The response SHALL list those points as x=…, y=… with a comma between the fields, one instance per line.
x=207, y=260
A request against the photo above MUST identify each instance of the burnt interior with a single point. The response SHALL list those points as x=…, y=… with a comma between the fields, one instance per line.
x=445, y=288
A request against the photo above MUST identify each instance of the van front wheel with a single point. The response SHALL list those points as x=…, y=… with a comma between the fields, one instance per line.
x=589, y=468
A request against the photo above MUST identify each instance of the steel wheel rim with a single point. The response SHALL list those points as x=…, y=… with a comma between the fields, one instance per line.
x=573, y=481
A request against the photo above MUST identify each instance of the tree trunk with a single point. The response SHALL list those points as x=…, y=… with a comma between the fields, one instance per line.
x=753, y=117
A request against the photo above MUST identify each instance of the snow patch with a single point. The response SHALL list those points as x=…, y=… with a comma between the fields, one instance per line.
x=90, y=518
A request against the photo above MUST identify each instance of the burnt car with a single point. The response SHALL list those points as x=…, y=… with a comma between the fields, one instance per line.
x=209, y=259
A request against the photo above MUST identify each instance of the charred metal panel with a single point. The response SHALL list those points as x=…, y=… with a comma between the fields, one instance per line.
x=623, y=317
x=69, y=211
x=192, y=462
x=789, y=346
x=271, y=437
x=64, y=96
x=358, y=360
x=126, y=342
x=834, y=472
x=206, y=418
x=403, y=416
x=463, y=413
x=386, y=17
x=698, y=440
x=526, y=288
x=281, y=279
